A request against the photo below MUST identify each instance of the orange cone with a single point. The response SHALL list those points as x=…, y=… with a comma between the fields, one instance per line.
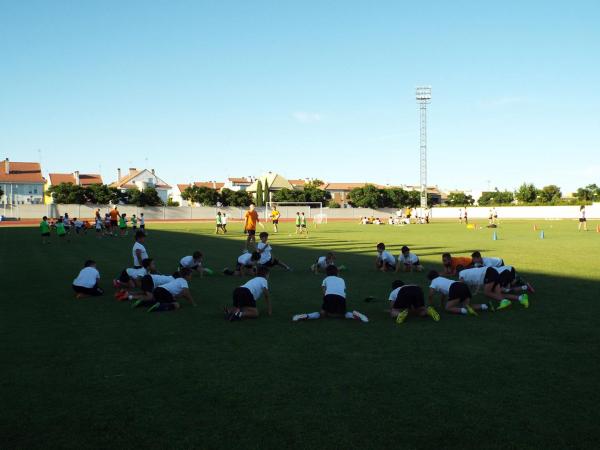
x=597, y=228
x=534, y=227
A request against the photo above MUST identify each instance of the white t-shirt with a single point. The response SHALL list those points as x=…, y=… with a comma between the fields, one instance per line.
x=188, y=261
x=441, y=285
x=160, y=280
x=492, y=261
x=503, y=268
x=256, y=286
x=334, y=286
x=136, y=273
x=78, y=224
x=394, y=294
x=67, y=222
x=473, y=277
x=87, y=278
x=224, y=219
x=98, y=224
x=144, y=254
x=387, y=257
x=142, y=221
x=176, y=286
x=245, y=259
x=410, y=259
x=265, y=252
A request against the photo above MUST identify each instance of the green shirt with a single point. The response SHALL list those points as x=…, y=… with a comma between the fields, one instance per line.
x=297, y=220
x=219, y=219
x=303, y=220
x=60, y=229
x=122, y=222
x=134, y=221
x=44, y=227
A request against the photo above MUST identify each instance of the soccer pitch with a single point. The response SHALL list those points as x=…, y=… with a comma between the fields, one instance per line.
x=95, y=373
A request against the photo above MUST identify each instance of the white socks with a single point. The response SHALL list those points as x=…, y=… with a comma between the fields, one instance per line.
x=463, y=311
x=349, y=315
x=314, y=315
x=484, y=307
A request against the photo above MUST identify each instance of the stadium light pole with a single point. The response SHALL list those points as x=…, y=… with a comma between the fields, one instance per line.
x=423, y=95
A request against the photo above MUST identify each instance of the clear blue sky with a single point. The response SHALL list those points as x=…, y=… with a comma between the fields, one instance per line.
x=210, y=89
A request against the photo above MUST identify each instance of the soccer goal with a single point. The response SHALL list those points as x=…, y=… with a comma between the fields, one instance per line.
x=318, y=218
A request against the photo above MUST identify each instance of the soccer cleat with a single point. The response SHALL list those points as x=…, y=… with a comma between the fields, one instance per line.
x=298, y=317
x=524, y=300
x=116, y=284
x=360, y=316
x=471, y=311
x=136, y=303
x=431, y=312
x=530, y=288
x=154, y=307
x=209, y=271
x=504, y=304
x=401, y=317
x=235, y=317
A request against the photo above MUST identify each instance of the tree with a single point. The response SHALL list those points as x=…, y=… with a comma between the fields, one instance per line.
x=69, y=193
x=496, y=198
x=459, y=199
x=227, y=197
x=527, y=193
x=333, y=204
x=588, y=193
x=266, y=193
x=171, y=202
x=259, y=193
x=368, y=196
x=102, y=194
x=394, y=197
x=201, y=195
x=550, y=194
x=288, y=195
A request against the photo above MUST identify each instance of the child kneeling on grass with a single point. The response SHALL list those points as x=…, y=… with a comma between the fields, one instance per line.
x=456, y=293
x=245, y=297
x=409, y=298
x=246, y=265
x=164, y=297
x=334, y=300
x=194, y=263
x=86, y=283
x=323, y=262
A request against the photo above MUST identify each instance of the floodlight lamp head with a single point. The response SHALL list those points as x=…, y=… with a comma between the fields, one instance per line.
x=423, y=94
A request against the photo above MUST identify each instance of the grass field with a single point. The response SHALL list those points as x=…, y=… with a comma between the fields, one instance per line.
x=95, y=373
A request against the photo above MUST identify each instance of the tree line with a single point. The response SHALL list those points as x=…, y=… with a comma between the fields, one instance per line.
x=101, y=194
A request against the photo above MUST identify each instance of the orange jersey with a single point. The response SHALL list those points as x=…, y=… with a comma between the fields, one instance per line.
x=464, y=261
x=251, y=220
x=114, y=214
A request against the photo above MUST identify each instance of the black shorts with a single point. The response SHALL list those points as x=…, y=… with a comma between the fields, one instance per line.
x=113, y=223
x=124, y=277
x=95, y=291
x=409, y=297
x=303, y=225
x=491, y=276
x=147, y=283
x=418, y=263
x=271, y=263
x=98, y=230
x=238, y=266
x=275, y=221
x=142, y=227
x=242, y=297
x=162, y=295
x=45, y=234
x=459, y=291
x=194, y=267
x=507, y=277
x=387, y=265
x=334, y=304
x=251, y=232
x=582, y=219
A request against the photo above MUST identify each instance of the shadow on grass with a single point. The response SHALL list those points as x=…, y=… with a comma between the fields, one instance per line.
x=95, y=373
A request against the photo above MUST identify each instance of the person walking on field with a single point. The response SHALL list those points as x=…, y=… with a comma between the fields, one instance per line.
x=250, y=222
x=275, y=218
x=114, y=220
x=582, y=219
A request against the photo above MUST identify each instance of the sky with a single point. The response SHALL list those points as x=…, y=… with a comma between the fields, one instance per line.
x=205, y=90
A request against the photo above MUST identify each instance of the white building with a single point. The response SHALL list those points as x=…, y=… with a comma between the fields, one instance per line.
x=238, y=184
x=22, y=183
x=142, y=179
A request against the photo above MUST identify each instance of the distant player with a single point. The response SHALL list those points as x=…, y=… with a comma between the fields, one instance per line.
x=408, y=299
x=246, y=296
x=275, y=218
x=224, y=223
x=250, y=221
x=460, y=216
x=114, y=220
x=139, y=250
x=134, y=224
x=408, y=262
x=582, y=219
x=303, y=227
x=219, y=223
x=298, y=223
x=45, y=230
x=384, y=261
x=452, y=262
x=142, y=223
x=98, y=226
x=466, y=217
x=61, y=232
x=86, y=283
x=456, y=294
x=485, y=261
x=123, y=225
x=67, y=223
x=334, y=300
x=107, y=224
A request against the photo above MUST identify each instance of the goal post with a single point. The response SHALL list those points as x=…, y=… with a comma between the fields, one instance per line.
x=317, y=218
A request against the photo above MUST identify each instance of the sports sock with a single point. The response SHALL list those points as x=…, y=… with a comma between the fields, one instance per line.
x=484, y=307
x=524, y=287
x=521, y=297
x=314, y=315
x=463, y=311
x=349, y=315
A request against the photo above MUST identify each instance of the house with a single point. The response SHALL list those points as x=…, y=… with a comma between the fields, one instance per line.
x=142, y=179
x=176, y=197
x=274, y=181
x=22, y=183
x=76, y=178
x=339, y=191
x=433, y=192
x=238, y=184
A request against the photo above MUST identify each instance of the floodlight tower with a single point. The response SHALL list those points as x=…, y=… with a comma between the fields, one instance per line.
x=423, y=99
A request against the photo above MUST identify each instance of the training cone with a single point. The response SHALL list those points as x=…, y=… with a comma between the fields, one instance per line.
x=494, y=236
x=534, y=227
x=542, y=234
x=597, y=228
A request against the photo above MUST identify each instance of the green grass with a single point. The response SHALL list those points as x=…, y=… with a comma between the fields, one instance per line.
x=94, y=373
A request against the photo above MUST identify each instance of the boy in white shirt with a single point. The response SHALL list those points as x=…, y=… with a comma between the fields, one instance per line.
x=142, y=223
x=98, y=227
x=148, y=283
x=165, y=296
x=86, y=283
x=334, y=300
x=224, y=223
x=323, y=262
x=408, y=261
x=139, y=251
x=246, y=265
x=78, y=225
x=456, y=294
x=483, y=261
x=385, y=261
x=245, y=297
x=194, y=263
x=490, y=279
x=266, y=258
x=407, y=298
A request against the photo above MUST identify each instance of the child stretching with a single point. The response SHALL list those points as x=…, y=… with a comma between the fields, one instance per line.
x=246, y=265
x=148, y=283
x=164, y=298
x=323, y=262
x=86, y=283
x=408, y=261
x=452, y=262
x=266, y=258
x=385, y=261
x=408, y=298
x=245, y=297
x=194, y=263
x=334, y=300
x=490, y=280
x=456, y=293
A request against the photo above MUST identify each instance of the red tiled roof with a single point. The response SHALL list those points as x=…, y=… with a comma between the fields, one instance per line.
x=21, y=172
x=123, y=182
x=85, y=179
x=297, y=182
x=240, y=180
x=208, y=184
x=344, y=186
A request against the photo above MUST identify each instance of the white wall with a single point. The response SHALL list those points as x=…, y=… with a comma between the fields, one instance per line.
x=520, y=212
